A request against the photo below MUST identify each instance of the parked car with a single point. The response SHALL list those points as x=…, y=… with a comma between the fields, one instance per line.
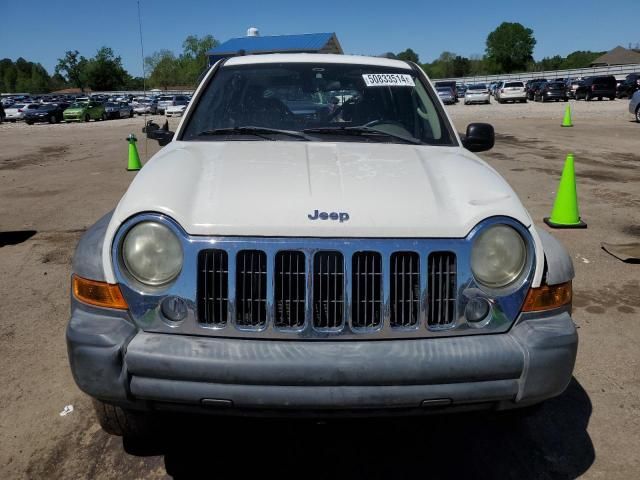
x=146, y=105
x=477, y=93
x=332, y=281
x=634, y=105
x=460, y=90
x=628, y=86
x=448, y=84
x=551, y=91
x=118, y=110
x=85, y=111
x=46, y=112
x=176, y=110
x=597, y=87
x=16, y=111
x=572, y=86
x=2, y=114
x=446, y=95
x=534, y=88
x=511, y=92
x=165, y=101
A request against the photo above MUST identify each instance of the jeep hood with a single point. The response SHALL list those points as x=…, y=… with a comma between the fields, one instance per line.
x=262, y=188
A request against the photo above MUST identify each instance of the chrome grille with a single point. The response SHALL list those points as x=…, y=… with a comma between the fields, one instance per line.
x=366, y=293
x=442, y=288
x=328, y=290
x=405, y=289
x=213, y=287
x=290, y=289
x=251, y=288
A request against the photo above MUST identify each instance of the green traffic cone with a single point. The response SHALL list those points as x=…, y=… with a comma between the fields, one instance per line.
x=134, y=158
x=565, y=213
x=566, y=122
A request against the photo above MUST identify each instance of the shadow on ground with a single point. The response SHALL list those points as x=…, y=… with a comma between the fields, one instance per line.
x=551, y=443
x=15, y=238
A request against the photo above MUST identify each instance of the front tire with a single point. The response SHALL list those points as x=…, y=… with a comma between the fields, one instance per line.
x=638, y=114
x=122, y=422
x=87, y=117
x=104, y=117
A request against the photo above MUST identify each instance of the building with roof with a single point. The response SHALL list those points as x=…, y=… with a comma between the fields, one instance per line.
x=255, y=44
x=617, y=56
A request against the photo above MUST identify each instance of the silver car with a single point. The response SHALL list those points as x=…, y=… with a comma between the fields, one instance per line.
x=165, y=101
x=146, y=105
x=477, y=93
x=634, y=105
x=511, y=92
x=446, y=95
x=17, y=110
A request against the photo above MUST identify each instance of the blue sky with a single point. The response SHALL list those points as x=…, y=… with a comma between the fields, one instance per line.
x=42, y=30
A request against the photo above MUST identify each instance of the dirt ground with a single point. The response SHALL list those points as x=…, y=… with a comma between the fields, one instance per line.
x=56, y=180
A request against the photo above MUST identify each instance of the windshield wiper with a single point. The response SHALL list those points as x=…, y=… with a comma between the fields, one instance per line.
x=261, y=132
x=361, y=131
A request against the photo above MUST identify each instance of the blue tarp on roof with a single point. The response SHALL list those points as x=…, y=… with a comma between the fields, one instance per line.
x=308, y=42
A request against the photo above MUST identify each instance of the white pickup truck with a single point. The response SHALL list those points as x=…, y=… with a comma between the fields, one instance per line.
x=316, y=237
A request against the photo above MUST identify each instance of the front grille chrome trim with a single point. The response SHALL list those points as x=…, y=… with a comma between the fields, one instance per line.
x=144, y=302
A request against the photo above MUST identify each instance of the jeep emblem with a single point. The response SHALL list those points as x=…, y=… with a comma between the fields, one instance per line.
x=342, y=216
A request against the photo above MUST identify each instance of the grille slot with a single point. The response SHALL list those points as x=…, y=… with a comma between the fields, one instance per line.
x=213, y=287
x=328, y=289
x=290, y=289
x=405, y=289
x=366, y=290
x=442, y=288
x=251, y=288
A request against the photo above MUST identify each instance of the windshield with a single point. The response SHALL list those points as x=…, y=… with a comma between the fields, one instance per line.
x=477, y=86
x=328, y=97
x=78, y=105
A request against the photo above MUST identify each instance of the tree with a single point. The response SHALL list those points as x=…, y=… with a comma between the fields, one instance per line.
x=164, y=69
x=580, y=59
x=105, y=71
x=168, y=70
x=510, y=46
x=72, y=68
x=461, y=66
x=408, y=56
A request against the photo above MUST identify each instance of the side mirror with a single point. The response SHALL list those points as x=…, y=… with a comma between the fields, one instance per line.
x=162, y=135
x=480, y=137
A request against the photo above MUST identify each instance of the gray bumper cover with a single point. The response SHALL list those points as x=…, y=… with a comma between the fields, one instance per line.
x=112, y=361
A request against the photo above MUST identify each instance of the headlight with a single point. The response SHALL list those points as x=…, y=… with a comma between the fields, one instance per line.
x=498, y=256
x=152, y=253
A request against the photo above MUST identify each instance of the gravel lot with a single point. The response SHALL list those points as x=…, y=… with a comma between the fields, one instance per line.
x=56, y=180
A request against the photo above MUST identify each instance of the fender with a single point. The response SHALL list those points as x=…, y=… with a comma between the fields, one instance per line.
x=87, y=259
x=558, y=262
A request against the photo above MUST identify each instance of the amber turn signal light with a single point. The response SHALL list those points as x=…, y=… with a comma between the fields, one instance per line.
x=100, y=294
x=548, y=297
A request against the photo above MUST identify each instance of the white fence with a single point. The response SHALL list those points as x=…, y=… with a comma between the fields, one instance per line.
x=619, y=71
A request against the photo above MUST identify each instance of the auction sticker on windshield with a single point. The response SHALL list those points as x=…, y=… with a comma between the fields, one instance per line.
x=388, y=80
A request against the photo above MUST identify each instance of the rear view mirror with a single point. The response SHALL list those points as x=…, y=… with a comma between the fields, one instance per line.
x=162, y=135
x=479, y=138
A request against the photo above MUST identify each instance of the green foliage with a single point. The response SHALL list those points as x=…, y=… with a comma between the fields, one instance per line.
x=105, y=71
x=510, y=46
x=72, y=67
x=168, y=70
x=23, y=76
x=408, y=56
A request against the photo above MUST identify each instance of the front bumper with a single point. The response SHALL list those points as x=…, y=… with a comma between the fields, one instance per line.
x=473, y=98
x=113, y=361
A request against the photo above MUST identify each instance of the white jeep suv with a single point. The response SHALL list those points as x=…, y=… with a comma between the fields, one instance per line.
x=316, y=237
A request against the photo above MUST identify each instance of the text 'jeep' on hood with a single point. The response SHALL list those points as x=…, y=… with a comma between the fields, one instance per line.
x=316, y=236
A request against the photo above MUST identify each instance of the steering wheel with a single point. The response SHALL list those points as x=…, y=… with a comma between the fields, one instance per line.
x=338, y=110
